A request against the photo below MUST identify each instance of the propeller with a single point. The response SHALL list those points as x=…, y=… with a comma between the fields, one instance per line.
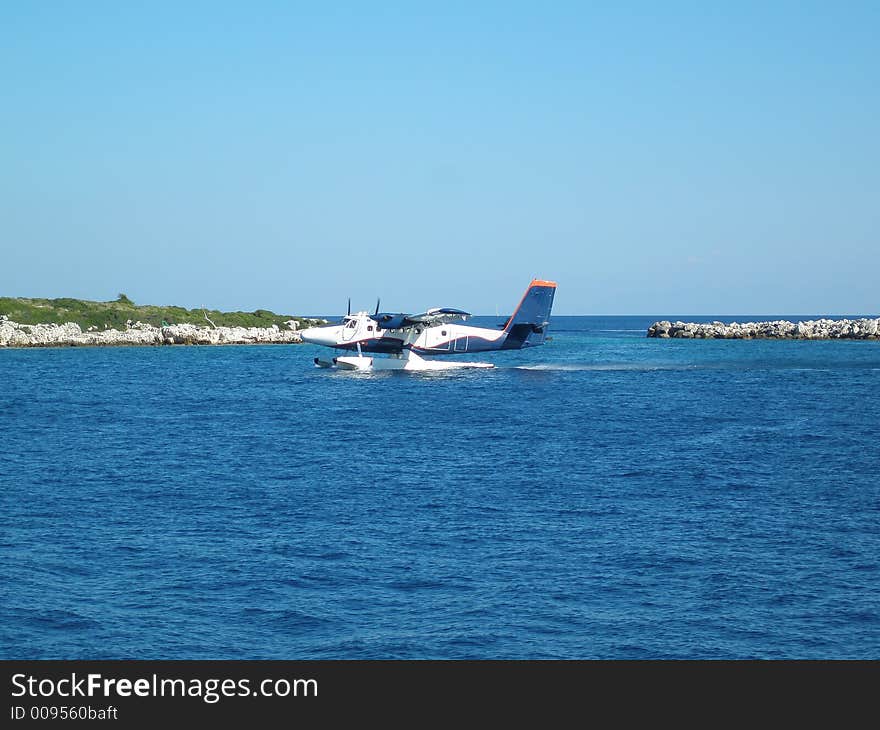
x=349, y=305
x=377, y=306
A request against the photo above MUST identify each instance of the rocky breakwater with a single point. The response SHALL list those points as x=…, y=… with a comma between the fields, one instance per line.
x=13, y=334
x=820, y=329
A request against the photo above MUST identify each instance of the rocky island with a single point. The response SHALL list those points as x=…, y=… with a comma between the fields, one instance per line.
x=75, y=322
x=820, y=329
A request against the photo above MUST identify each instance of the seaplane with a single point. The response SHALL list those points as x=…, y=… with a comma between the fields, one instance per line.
x=400, y=341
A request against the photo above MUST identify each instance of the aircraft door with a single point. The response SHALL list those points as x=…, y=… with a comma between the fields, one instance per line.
x=461, y=343
x=349, y=330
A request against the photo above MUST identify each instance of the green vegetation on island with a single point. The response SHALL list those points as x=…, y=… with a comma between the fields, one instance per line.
x=115, y=314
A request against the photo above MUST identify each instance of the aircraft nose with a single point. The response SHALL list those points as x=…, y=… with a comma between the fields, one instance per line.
x=316, y=336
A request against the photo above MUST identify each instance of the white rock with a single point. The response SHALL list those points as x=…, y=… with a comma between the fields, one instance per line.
x=778, y=329
x=13, y=334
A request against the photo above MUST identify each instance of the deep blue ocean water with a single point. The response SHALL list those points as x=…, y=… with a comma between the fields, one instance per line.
x=604, y=496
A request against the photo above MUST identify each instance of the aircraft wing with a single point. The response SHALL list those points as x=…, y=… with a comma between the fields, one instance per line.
x=401, y=320
x=436, y=315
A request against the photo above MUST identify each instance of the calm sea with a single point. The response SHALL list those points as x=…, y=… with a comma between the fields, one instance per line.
x=604, y=496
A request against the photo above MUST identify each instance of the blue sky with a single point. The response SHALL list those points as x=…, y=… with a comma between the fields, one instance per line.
x=651, y=157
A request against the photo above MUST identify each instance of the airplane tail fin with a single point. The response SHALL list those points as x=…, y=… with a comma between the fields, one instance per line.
x=527, y=326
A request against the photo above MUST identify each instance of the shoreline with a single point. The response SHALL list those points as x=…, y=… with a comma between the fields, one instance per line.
x=819, y=329
x=14, y=335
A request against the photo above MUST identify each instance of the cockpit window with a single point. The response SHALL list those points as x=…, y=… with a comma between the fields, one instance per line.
x=351, y=324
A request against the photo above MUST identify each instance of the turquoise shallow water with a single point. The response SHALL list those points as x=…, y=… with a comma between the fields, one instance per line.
x=605, y=496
